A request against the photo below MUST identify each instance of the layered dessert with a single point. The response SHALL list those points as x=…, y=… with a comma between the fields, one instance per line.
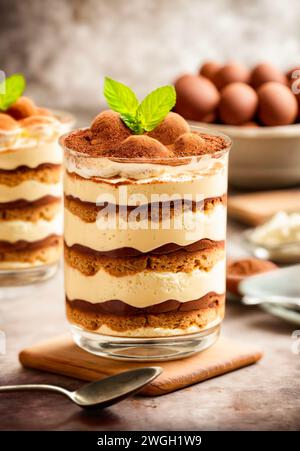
x=30, y=186
x=145, y=227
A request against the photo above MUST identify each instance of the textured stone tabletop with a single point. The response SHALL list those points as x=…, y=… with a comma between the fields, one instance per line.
x=263, y=396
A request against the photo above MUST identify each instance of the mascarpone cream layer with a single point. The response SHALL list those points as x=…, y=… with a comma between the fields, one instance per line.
x=194, y=227
x=119, y=191
x=29, y=190
x=13, y=231
x=87, y=166
x=144, y=288
x=31, y=156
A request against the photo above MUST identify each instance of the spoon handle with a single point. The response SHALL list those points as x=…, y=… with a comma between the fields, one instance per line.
x=29, y=387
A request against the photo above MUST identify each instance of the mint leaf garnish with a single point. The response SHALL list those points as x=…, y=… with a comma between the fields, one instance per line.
x=154, y=108
x=133, y=123
x=142, y=117
x=120, y=97
x=13, y=88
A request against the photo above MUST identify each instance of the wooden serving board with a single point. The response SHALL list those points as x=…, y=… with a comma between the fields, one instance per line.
x=256, y=208
x=60, y=355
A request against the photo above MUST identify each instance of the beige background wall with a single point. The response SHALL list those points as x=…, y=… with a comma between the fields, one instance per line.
x=65, y=47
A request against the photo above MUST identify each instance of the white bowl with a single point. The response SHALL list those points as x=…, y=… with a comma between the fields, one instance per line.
x=262, y=157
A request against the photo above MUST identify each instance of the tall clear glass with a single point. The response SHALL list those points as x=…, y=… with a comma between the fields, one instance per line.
x=145, y=253
x=31, y=220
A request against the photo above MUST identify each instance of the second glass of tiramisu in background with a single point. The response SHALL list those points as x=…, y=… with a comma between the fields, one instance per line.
x=145, y=228
x=30, y=187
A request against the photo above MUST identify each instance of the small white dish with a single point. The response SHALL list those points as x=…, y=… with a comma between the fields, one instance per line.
x=262, y=157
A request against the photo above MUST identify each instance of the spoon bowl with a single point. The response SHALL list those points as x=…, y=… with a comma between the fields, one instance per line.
x=102, y=393
x=113, y=389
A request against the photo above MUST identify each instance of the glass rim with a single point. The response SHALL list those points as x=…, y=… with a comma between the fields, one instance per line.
x=162, y=161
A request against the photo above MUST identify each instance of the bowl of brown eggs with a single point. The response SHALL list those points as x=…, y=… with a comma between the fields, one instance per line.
x=259, y=108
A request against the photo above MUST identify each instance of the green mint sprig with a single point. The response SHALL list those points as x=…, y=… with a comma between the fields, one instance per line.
x=12, y=88
x=139, y=117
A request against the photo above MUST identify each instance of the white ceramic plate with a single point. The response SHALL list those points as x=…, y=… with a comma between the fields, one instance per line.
x=291, y=316
x=281, y=282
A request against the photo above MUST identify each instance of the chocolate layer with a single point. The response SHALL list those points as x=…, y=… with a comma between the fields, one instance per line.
x=120, y=308
x=24, y=169
x=165, y=249
x=173, y=204
x=154, y=212
x=22, y=203
x=22, y=245
x=44, y=173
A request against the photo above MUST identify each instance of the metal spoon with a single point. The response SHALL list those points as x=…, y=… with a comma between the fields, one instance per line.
x=102, y=393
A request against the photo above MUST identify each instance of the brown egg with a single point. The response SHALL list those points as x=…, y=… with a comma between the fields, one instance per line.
x=238, y=103
x=265, y=72
x=297, y=97
x=250, y=124
x=196, y=97
x=209, y=69
x=210, y=118
x=277, y=104
x=231, y=73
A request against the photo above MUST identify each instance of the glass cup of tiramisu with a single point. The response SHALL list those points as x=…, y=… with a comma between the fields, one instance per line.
x=31, y=219
x=145, y=228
